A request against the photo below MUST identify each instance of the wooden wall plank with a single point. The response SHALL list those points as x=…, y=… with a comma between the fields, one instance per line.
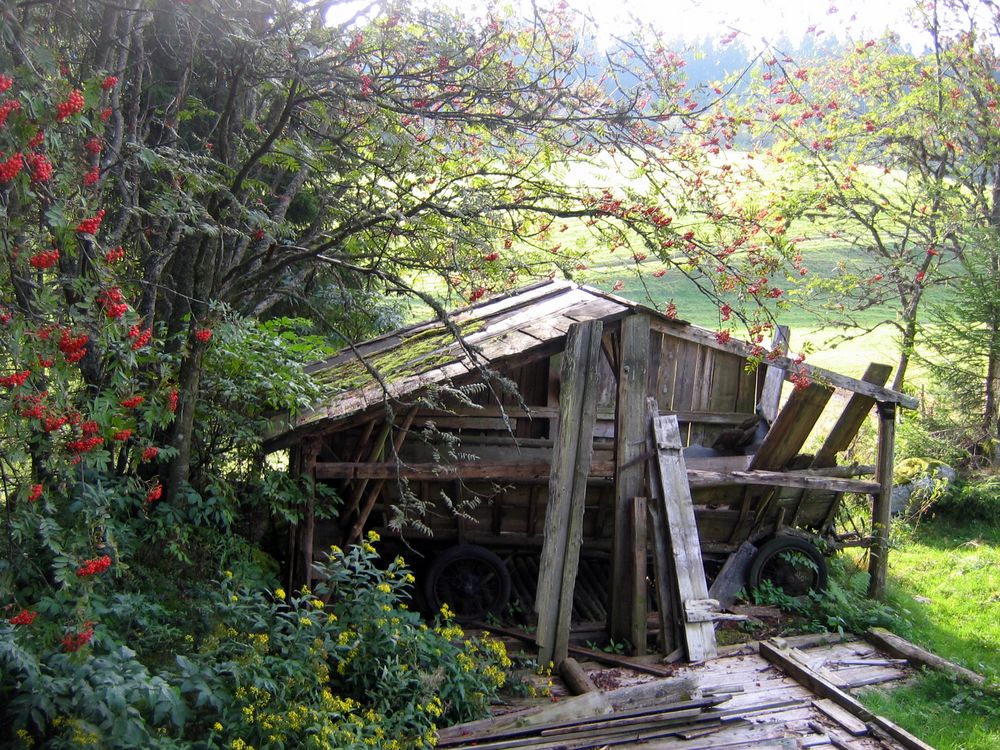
x=630, y=443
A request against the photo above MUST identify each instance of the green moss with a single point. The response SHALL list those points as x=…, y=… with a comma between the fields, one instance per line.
x=420, y=352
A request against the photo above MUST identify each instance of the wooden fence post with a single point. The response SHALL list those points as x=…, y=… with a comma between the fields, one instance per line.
x=878, y=560
x=571, y=458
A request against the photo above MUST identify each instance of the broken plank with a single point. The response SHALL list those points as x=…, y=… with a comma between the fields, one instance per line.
x=825, y=689
x=841, y=716
x=733, y=575
x=674, y=499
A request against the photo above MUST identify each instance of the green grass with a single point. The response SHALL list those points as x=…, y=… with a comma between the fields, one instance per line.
x=955, y=567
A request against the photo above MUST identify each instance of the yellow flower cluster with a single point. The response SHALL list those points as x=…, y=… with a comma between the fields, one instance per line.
x=25, y=737
x=240, y=744
x=465, y=661
x=280, y=594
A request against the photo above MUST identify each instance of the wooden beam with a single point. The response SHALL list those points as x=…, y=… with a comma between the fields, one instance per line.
x=808, y=677
x=920, y=657
x=878, y=560
x=700, y=478
x=630, y=444
x=431, y=472
x=567, y=490
x=674, y=502
x=744, y=349
x=851, y=419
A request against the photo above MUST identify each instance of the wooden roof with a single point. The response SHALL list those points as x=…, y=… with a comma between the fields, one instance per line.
x=514, y=325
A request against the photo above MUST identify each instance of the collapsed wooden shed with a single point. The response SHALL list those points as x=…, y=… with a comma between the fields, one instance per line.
x=527, y=416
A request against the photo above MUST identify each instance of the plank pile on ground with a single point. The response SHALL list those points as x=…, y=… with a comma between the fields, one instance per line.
x=775, y=695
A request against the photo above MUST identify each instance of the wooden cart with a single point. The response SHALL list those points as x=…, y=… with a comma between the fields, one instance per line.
x=450, y=428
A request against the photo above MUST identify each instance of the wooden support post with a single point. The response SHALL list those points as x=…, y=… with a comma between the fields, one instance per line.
x=637, y=575
x=307, y=469
x=774, y=379
x=631, y=427
x=572, y=454
x=878, y=560
x=674, y=502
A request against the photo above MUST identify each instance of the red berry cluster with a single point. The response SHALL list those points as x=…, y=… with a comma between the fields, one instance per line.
x=113, y=302
x=150, y=453
x=109, y=83
x=5, y=83
x=122, y=435
x=76, y=641
x=15, y=380
x=477, y=294
x=800, y=380
x=115, y=254
x=11, y=105
x=92, y=224
x=51, y=423
x=36, y=492
x=74, y=347
x=37, y=409
x=132, y=402
x=72, y=106
x=93, y=146
x=10, y=168
x=154, y=494
x=139, y=337
x=44, y=259
x=41, y=167
x=37, y=139
x=92, y=176
x=84, y=445
x=24, y=617
x=203, y=334
x=93, y=567
x=723, y=337
x=172, y=399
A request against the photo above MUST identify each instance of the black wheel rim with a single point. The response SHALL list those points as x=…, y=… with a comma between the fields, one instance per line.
x=792, y=571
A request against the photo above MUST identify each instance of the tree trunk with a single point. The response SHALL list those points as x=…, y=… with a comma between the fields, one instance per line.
x=182, y=429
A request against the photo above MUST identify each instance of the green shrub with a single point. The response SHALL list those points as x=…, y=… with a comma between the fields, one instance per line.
x=345, y=666
x=977, y=499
